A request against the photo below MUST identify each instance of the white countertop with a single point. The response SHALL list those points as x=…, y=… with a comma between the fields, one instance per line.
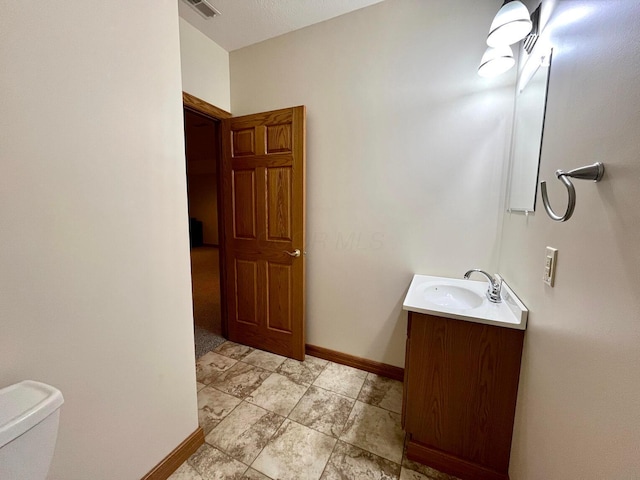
x=510, y=313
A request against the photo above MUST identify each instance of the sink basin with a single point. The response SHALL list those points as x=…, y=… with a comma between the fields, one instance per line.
x=462, y=299
x=452, y=296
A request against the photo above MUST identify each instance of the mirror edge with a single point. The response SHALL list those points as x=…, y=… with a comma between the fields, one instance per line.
x=539, y=55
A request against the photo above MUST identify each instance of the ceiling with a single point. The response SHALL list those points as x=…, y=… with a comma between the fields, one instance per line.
x=245, y=22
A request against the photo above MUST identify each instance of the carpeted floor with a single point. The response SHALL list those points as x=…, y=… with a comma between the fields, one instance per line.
x=205, y=278
x=205, y=341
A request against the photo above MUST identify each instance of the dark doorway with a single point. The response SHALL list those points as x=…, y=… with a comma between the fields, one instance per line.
x=202, y=151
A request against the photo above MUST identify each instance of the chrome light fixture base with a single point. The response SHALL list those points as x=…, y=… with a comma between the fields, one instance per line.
x=531, y=39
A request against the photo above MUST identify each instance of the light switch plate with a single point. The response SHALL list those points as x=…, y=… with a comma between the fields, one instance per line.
x=550, y=261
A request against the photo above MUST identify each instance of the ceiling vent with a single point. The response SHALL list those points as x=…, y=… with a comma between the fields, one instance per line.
x=203, y=7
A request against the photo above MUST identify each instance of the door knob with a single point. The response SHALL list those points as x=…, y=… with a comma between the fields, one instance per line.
x=295, y=253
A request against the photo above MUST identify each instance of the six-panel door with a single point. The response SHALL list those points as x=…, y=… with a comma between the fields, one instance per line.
x=264, y=204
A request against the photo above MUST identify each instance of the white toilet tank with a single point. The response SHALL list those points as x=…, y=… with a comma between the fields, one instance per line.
x=29, y=413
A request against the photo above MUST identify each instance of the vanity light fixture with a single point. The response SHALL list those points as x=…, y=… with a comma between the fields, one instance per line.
x=510, y=25
x=496, y=61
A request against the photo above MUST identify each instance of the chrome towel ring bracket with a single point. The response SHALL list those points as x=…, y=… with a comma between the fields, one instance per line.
x=590, y=172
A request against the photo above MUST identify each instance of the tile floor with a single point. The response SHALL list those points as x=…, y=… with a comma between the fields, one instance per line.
x=270, y=417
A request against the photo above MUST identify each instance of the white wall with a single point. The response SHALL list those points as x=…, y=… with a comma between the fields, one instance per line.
x=404, y=161
x=94, y=259
x=578, y=414
x=205, y=67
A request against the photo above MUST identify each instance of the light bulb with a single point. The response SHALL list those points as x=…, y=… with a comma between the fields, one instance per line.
x=496, y=61
x=511, y=24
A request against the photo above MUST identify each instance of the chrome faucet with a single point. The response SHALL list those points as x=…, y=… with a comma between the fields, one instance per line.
x=493, y=293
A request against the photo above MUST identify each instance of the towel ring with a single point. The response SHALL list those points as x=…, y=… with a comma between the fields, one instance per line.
x=590, y=172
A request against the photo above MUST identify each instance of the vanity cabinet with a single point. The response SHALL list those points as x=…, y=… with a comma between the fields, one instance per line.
x=460, y=387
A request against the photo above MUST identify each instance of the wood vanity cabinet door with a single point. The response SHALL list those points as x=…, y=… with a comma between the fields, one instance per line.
x=461, y=389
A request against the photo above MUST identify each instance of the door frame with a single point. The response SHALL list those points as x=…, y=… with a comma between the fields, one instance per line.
x=199, y=106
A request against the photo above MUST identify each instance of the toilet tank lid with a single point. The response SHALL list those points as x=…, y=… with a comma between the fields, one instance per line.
x=24, y=405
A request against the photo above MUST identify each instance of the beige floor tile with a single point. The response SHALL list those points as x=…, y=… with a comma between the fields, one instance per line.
x=348, y=461
x=277, y=394
x=407, y=474
x=213, y=406
x=382, y=392
x=418, y=471
x=241, y=432
x=252, y=474
x=323, y=410
x=295, y=452
x=376, y=430
x=244, y=432
x=240, y=380
x=185, y=472
x=341, y=379
x=302, y=372
x=212, y=464
x=210, y=365
x=233, y=350
x=267, y=360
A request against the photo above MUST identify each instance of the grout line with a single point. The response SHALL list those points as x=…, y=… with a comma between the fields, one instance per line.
x=298, y=423
x=331, y=391
x=224, y=418
x=315, y=429
x=329, y=459
x=362, y=386
x=267, y=443
x=257, y=406
x=298, y=402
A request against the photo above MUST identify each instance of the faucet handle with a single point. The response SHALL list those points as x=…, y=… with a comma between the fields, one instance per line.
x=495, y=284
x=495, y=290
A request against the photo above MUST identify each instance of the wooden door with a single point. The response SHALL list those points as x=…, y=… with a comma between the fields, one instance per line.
x=263, y=178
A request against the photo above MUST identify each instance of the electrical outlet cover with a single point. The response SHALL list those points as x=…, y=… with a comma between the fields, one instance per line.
x=550, y=261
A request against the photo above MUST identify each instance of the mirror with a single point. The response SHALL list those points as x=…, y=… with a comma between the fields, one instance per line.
x=531, y=101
